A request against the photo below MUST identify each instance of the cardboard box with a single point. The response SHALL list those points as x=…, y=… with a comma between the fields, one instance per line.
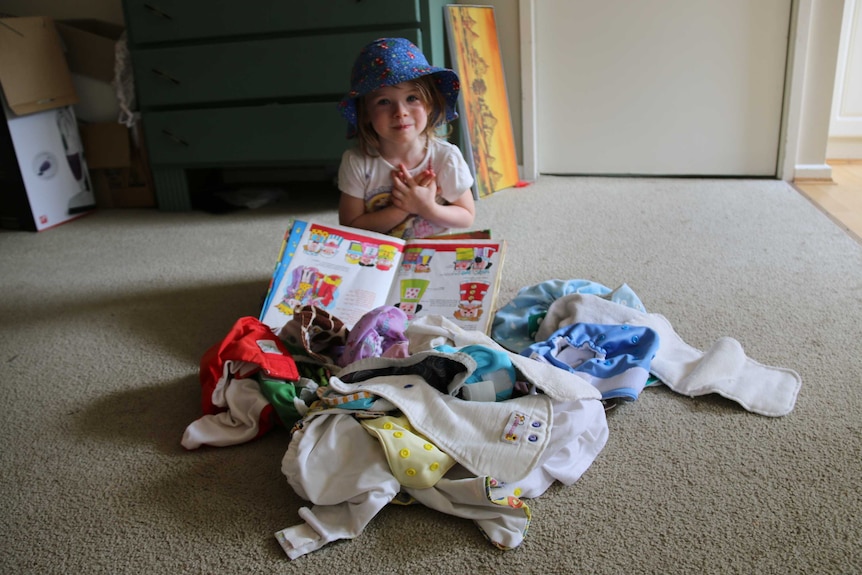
x=107, y=145
x=44, y=178
x=91, y=53
x=118, y=166
x=90, y=47
x=33, y=68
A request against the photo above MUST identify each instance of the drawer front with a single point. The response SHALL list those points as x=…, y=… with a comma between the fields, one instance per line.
x=150, y=21
x=261, y=70
x=292, y=134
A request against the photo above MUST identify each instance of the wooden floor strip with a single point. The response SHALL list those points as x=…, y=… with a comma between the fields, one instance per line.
x=841, y=197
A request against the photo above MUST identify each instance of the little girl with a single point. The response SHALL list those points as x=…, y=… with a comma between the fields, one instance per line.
x=402, y=179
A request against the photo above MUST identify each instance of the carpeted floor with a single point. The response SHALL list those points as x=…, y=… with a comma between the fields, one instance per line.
x=103, y=321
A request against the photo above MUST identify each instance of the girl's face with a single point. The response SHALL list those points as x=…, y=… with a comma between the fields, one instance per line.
x=397, y=113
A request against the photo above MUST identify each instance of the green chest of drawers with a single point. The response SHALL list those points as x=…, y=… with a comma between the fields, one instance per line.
x=223, y=84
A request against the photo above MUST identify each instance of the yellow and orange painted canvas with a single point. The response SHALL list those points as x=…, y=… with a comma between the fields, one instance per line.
x=483, y=104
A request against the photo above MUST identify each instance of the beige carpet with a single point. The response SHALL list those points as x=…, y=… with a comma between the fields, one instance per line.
x=103, y=321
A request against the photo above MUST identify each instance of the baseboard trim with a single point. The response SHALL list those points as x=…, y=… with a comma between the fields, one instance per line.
x=821, y=173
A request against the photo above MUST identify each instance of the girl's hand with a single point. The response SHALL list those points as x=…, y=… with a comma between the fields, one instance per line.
x=415, y=195
x=426, y=177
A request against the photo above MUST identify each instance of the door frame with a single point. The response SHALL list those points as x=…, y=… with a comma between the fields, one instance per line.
x=800, y=47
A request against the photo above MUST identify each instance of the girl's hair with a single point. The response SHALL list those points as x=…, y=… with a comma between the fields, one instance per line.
x=429, y=94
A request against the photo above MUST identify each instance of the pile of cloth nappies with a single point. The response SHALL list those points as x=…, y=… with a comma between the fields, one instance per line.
x=469, y=424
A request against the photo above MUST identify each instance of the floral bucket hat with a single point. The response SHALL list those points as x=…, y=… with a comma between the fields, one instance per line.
x=390, y=61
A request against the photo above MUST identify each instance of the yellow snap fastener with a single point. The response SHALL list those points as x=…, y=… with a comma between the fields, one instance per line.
x=428, y=447
x=434, y=466
x=398, y=434
x=411, y=472
x=387, y=426
x=517, y=491
x=405, y=453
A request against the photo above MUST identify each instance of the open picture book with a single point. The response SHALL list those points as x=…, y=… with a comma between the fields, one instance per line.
x=348, y=272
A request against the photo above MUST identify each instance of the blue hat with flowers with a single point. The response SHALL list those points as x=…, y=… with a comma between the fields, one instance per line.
x=390, y=61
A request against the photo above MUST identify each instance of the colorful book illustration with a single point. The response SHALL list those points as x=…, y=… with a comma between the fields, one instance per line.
x=348, y=272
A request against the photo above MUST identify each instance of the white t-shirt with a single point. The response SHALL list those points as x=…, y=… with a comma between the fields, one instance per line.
x=370, y=179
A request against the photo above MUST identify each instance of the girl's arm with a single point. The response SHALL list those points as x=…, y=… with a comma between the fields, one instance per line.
x=351, y=212
x=458, y=214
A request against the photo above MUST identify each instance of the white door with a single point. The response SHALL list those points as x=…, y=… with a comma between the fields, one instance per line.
x=660, y=87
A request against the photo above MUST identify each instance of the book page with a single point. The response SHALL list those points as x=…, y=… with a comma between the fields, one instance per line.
x=342, y=270
x=457, y=279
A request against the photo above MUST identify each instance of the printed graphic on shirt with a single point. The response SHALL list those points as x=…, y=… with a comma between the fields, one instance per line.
x=412, y=227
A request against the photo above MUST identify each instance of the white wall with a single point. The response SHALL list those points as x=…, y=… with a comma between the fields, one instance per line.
x=818, y=31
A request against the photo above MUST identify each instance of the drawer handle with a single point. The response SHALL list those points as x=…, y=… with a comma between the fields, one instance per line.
x=158, y=12
x=164, y=75
x=175, y=138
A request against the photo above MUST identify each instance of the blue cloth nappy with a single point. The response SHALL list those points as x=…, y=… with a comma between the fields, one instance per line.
x=614, y=358
x=516, y=323
x=493, y=379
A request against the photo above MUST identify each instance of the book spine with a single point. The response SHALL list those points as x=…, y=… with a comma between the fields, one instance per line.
x=288, y=247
